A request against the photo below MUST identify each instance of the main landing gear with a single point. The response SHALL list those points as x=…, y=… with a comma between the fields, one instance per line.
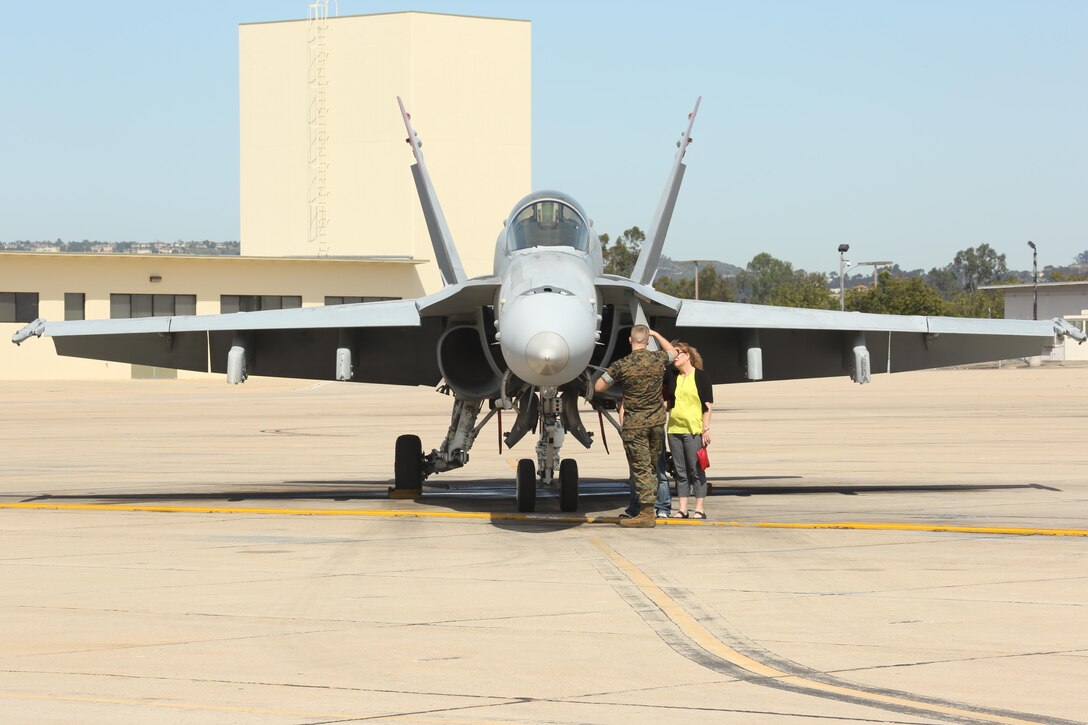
x=407, y=466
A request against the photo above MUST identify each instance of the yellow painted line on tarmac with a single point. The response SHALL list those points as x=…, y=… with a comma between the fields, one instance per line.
x=705, y=639
x=542, y=518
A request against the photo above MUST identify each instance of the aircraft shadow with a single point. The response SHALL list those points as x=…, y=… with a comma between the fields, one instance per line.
x=497, y=497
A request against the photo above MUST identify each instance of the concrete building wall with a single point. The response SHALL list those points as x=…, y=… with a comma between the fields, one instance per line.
x=99, y=276
x=1056, y=299
x=465, y=80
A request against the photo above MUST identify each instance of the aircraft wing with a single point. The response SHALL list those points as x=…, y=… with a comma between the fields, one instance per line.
x=761, y=342
x=390, y=342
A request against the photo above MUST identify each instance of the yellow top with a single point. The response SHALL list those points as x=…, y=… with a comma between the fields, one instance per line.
x=686, y=415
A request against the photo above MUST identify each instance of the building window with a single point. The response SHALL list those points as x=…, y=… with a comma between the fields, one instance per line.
x=255, y=303
x=18, y=306
x=122, y=306
x=75, y=306
x=356, y=300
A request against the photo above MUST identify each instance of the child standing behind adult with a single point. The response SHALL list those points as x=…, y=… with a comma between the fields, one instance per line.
x=689, y=397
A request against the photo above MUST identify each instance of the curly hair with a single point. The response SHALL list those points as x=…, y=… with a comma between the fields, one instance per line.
x=693, y=354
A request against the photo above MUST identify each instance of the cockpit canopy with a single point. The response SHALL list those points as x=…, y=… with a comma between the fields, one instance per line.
x=548, y=222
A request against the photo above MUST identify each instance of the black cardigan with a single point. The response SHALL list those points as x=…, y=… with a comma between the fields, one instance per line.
x=702, y=386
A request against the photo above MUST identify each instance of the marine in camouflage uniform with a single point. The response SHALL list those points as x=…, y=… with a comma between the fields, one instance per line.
x=640, y=375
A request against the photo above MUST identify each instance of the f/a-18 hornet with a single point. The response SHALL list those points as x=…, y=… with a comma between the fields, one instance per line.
x=532, y=336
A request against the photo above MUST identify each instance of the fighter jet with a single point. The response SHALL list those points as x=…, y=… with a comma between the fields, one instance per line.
x=531, y=337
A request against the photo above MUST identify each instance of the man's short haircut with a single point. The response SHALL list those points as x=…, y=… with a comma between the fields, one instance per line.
x=640, y=334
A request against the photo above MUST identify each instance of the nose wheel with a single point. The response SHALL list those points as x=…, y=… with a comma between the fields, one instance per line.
x=568, y=485
x=526, y=485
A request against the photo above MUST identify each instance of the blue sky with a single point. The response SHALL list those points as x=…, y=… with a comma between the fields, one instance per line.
x=908, y=130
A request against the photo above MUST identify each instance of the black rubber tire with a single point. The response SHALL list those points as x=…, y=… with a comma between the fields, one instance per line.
x=568, y=485
x=408, y=463
x=526, y=485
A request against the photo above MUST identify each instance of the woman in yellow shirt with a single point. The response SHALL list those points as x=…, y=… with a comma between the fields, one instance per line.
x=689, y=397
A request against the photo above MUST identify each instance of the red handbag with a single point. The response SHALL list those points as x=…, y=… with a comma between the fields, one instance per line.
x=704, y=459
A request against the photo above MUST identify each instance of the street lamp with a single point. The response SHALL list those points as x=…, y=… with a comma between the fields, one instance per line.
x=1034, y=281
x=696, y=263
x=876, y=267
x=843, y=249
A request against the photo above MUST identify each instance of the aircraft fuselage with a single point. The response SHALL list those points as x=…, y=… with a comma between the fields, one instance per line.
x=547, y=309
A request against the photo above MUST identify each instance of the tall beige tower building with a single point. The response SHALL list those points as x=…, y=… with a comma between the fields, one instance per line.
x=325, y=171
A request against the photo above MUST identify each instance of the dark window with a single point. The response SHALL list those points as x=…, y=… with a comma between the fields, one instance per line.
x=18, y=306
x=75, y=306
x=356, y=300
x=254, y=303
x=143, y=305
x=151, y=305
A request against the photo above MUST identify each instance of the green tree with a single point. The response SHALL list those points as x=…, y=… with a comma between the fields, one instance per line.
x=804, y=290
x=712, y=286
x=1082, y=258
x=1061, y=276
x=757, y=282
x=944, y=280
x=987, y=303
x=897, y=296
x=979, y=265
x=620, y=257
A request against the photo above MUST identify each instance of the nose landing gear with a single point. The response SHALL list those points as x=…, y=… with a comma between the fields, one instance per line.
x=568, y=485
x=526, y=485
x=527, y=482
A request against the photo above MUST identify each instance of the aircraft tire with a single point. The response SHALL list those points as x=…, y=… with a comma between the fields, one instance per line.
x=408, y=463
x=526, y=485
x=568, y=485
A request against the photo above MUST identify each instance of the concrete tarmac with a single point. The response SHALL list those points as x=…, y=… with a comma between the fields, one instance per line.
x=278, y=584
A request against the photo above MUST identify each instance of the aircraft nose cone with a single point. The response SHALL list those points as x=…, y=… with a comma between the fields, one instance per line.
x=547, y=353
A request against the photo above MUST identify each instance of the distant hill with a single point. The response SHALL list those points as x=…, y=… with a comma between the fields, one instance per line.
x=686, y=270
x=59, y=246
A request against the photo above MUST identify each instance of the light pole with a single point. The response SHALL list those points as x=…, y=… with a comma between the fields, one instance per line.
x=843, y=249
x=1034, y=281
x=876, y=267
x=696, y=263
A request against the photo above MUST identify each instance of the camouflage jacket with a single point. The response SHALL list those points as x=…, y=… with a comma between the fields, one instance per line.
x=640, y=374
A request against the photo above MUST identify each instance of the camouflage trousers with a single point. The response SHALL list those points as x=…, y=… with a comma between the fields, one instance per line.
x=643, y=448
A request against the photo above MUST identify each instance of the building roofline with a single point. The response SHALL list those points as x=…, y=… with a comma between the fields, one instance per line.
x=396, y=12
x=225, y=258
x=1030, y=286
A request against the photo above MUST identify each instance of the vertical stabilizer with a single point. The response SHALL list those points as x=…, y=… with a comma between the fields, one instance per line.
x=646, y=266
x=445, y=253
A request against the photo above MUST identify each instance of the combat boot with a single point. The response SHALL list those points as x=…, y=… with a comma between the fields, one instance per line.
x=645, y=519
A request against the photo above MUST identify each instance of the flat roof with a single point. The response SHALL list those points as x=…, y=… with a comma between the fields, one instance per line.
x=397, y=12
x=1077, y=283
x=227, y=258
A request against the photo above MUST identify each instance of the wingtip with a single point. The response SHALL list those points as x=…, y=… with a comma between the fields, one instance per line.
x=35, y=328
